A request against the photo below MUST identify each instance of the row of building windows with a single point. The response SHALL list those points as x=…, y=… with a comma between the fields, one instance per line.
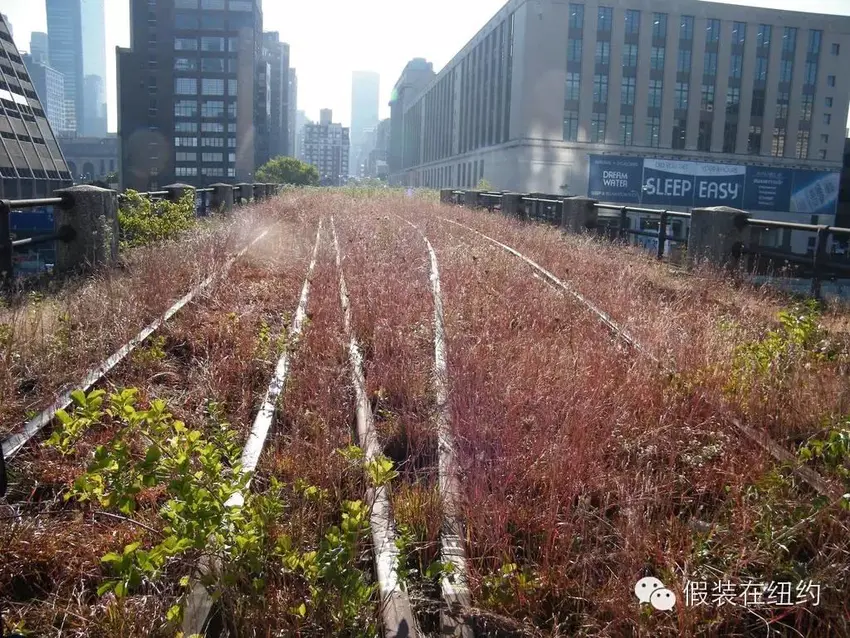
x=463, y=175
x=208, y=86
x=206, y=64
x=207, y=43
x=209, y=108
x=205, y=127
x=209, y=171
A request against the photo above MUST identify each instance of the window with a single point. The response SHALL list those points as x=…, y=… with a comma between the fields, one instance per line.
x=739, y=32
x=627, y=129
x=188, y=21
x=600, y=89
x=632, y=21
x=231, y=158
x=603, y=52
x=761, y=69
x=682, y=95
x=802, y=144
x=182, y=4
x=822, y=154
x=241, y=5
x=215, y=142
x=185, y=44
x=653, y=131
x=212, y=127
x=655, y=92
x=683, y=65
x=186, y=108
x=597, y=128
x=212, y=157
x=789, y=39
x=686, y=30
x=570, y=126
x=212, y=87
x=212, y=4
x=785, y=67
x=185, y=141
x=827, y=102
x=754, y=140
x=730, y=137
x=573, y=86
x=630, y=53
x=836, y=48
x=212, y=21
x=815, y=37
x=231, y=110
x=605, y=18
x=736, y=65
x=576, y=16
x=763, y=36
x=679, y=134
x=185, y=127
x=231, y=87
x=213, y=65
x=811, y=72
x=574, y=50
x=186, y=157
x=712, y=30
x=757, y=106
x=827, y=118
x=806, y=108
x=185, y=171
x=824, y=138
x=212, y=108
x=185, y=64
x=185, y=86
x=704, y=137
x=782, y=99
x=707, y=97
x=777, y=147
x=209, y=43
x=659, y=25
x=830, y=81
x=233, y=43
x=709, y=66
x=657, y=58
x=628, y=91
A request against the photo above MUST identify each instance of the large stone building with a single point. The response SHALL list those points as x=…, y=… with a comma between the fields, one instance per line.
x=680, y=104
x=90, y=159
x=326, y=146
x=31, y=163
x=187, y=92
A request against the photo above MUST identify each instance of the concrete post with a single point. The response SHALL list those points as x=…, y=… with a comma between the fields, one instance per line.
x=222, y=198
x=445, y=195
x=93, y=215
x=717, y=235
x=470, y=199
x=512, y=205
x=578, y=214
x=259, y=191
x=246, y=193
x=177, y=191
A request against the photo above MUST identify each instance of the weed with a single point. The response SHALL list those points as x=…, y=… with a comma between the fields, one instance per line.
x=143, y=221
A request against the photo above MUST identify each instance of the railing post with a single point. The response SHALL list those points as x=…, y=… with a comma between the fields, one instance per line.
x=92, y=213
x=259, y=191
x=717, y=235
x=817, y=258
x=445, y=195
x=177, y=191
x=623, y=231
x=578, y=214
x=7, y=275
x=222, y=198
x=246, y=193
x=470, y=199
x=662, y=234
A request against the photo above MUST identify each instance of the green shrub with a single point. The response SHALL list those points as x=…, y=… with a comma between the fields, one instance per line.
x=143, y=221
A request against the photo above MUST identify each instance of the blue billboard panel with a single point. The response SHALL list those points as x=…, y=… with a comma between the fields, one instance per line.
x=768, y=188
x=32, y=220
x=686, y=184
x=615, y=179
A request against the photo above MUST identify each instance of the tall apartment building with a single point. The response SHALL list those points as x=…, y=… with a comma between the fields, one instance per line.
x=187, y=92
x=31, y=163
x=365, y=87
x=326, y=146
x=76, y=35
x=404, y=139
x=273, y=87
x=300, y=120
x=292, y=111
x=50, y=87
x=682, y=104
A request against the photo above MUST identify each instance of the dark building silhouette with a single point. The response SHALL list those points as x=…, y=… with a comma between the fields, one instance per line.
x=31, y=163
x=404, y=136
x=273, y=86
x=188, y=94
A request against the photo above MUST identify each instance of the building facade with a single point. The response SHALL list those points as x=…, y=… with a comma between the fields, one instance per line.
x=187, y=93
x=39, y=48
x=365, y=89
x=90, y=159
x=546, y=87
x=377, y=166
x=301, y=120
x=417, y=74
x=327, y=146
x=50, y=87
x=273, y=87
x=31, y=162
x=292, y=110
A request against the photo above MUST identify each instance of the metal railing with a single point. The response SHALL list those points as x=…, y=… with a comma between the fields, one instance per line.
x=624, y=229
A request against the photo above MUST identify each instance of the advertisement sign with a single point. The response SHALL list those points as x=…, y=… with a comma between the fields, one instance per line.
x=32, y=220
x=687, y=184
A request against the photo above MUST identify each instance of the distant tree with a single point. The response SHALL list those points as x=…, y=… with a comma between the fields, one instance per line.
x=288, y=170
x=484, y=185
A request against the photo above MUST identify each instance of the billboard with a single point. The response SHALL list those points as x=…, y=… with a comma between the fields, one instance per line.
x=687, y=184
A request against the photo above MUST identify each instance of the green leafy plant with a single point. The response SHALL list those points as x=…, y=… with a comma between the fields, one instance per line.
x=380, y=471
x=87, y=412
x=483, y=185
x=144, y=222
x=833, y=452
x=508, y=587
x=152, y=353
x=288, y=170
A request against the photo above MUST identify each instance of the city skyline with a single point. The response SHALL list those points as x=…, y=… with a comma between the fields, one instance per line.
x=372, y=33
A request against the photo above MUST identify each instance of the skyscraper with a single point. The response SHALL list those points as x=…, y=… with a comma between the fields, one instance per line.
x=31, y=164
x=39, y=49
x=77, y=49
x=50, y=87
x=188, y=92
x=365, y=86
x=276, y=130
x=292, y=110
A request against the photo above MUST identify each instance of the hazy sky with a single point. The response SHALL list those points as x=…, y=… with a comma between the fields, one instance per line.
x=331, y=38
